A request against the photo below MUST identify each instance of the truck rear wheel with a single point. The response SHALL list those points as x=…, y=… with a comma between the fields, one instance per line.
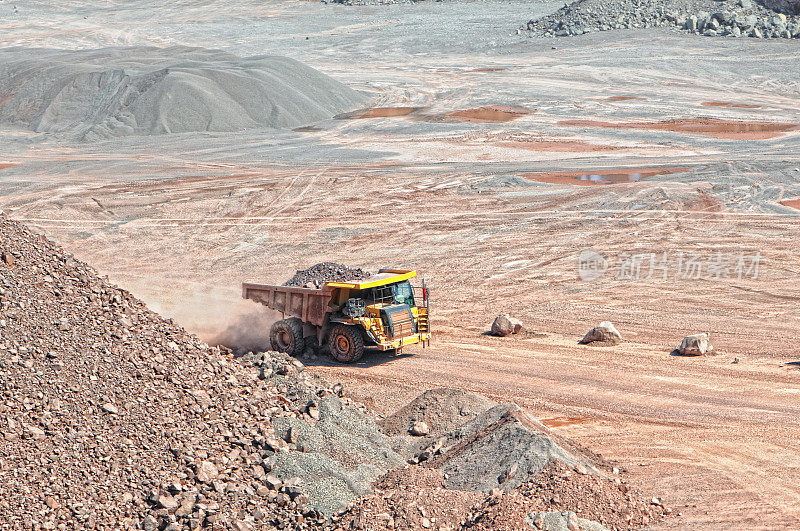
x=346, y=343
x=287, y=336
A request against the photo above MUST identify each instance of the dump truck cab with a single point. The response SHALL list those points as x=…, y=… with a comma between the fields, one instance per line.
x=386, y=310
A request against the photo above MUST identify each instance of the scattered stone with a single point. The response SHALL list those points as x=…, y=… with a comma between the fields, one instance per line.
x=419, y=429
x=166, y=501
x=509, y=473
x=273, y=483
x=149, y=523
x=207, y=472
x=561, y=521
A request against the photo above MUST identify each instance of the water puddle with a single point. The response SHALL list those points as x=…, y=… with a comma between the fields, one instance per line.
x=377, y=112
x=307, y=129
x=623, y=98
x=486, y=69
x=792, y=203
x=729, y=129
x=729, y=104
x=558, y=146
x=557, y=422
x=488, y=114
x=611, y=176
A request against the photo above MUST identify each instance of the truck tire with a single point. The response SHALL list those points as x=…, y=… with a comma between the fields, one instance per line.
x=345, y=343
x=287, y=336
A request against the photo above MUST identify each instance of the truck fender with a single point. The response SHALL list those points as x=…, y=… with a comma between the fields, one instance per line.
x=322, y=331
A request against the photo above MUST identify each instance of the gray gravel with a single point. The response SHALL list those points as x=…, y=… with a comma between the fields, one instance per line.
x=341, y=455
x=501, y=447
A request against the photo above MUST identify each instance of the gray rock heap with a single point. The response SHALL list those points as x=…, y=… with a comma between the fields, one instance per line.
x=733, y=18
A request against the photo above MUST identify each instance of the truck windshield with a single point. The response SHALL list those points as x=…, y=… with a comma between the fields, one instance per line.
x=402, y=293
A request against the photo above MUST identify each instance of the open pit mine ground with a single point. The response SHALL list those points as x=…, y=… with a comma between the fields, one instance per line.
x=488, y=161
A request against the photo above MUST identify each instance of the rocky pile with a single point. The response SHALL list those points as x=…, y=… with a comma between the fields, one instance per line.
x=501, y=447
x=498, y=469
x=113, y=416
x=318, y=274
x=735, y=18
x=111, y=92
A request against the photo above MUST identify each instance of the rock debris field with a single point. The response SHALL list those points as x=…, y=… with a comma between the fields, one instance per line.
x=114, y=417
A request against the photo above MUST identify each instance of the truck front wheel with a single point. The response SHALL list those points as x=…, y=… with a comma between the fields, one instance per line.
x=287, y=336
x=346, y=343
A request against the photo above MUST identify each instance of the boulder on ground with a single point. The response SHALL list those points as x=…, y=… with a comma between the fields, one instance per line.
x=505, y=325
x=605, y=333
x=695, y=345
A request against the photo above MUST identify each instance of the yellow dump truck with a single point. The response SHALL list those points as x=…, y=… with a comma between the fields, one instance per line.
x=384, y=310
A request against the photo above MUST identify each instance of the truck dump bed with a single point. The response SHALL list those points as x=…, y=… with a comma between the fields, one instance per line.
x=309, y=305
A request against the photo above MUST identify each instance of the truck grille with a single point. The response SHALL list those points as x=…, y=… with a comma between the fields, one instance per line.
x=399, y=321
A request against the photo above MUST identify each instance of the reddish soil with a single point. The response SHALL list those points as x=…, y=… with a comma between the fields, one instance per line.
x=377, y=112
x=558, y=488
x=409, y=498
x=559, y=146
x=792, y=203
x=4, y=165
x=623, y=98
x=413, y=497
x=614, y=176
x=557, y=422
x=730, y=129
x=704, y=202
x=488, y=114
x=4, y=99
x=729, y=104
